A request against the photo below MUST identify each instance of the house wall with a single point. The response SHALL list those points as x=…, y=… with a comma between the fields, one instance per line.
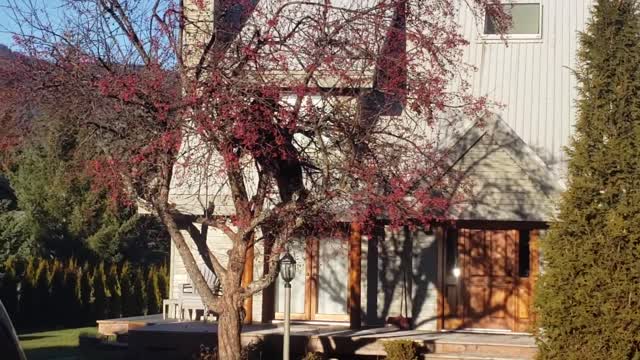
x=532, y=79
x=399, y=270
x=219, y=244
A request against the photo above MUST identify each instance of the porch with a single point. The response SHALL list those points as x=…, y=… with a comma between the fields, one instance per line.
x=172, y=339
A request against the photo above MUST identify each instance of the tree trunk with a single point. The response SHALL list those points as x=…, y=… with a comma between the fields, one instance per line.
x=229, y=327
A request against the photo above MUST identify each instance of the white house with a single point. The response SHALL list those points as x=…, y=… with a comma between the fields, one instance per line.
x=479, y=272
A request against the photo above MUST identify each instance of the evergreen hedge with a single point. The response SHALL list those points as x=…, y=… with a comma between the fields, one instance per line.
x=588, y=298
x=42, y=293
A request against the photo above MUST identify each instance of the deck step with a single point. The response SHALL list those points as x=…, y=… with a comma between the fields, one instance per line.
x=489, y=350
x=472, y=356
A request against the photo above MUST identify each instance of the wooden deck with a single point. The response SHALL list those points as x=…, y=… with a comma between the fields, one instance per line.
x=152, y=337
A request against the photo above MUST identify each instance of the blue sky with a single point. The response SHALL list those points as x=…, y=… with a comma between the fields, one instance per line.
x=50, y=6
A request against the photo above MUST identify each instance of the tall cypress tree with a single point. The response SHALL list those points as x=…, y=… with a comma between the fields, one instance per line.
x=26, y=302
x=153, y=292
x=56, y=307
x=139, y=295
x=163, y=284
x=85, y=294
x=72, y=298
x=126, y=290
x=588, y=299
x=100, y=293
x=9, y=289
x=41, y=309
x=115, y=292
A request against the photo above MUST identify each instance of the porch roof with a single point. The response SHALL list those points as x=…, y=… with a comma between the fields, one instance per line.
x=507, y=180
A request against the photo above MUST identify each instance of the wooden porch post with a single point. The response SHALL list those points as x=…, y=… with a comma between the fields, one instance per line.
x=247, y=278
x=355, y=275
x=268, y=294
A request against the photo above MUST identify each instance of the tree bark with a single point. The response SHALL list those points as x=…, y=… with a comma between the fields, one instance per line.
x=229, y=329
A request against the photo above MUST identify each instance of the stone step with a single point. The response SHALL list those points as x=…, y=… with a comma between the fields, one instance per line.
x=488, y=350
x=471, y=356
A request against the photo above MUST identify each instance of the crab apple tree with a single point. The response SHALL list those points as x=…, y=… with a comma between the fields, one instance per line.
x=283, y=117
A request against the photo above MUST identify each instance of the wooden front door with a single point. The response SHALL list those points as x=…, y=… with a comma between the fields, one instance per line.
x=319, y=290
x=489, y=279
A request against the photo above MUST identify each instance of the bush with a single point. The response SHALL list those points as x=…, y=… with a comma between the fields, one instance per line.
x=56, y=296
x=126, y=291
x=40, y=308
x=163, y=283
x=9, y=289
x=71, y=296
x=99, y=304
x=401, y=350
x=154, y=298
x=115, y=299
x=55, y=293
x=139, y=299
x=313, y=356
x=27, y=294
x=86, y=290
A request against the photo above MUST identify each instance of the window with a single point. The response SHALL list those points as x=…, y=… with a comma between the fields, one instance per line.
x=526, y=21
x=524, y=254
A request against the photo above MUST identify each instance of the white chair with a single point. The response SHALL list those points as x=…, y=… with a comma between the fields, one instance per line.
x=191, y=302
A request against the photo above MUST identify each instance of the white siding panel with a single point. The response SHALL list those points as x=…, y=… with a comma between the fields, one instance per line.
x=532, y=79
x=218, y=243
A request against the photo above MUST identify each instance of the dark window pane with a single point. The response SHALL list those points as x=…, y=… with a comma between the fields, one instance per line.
x=524, y=252
x=451, y=250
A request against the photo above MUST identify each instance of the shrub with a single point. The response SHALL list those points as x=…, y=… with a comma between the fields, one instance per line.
x=401, y=350
x=115, y=299
x=9, y=289
x=139, y=299
x=99, y=304
x=26, y=304
x=86, y=290
x=126, y=291
x=41, y=295
x=71, y=296
x=313, y=356
x=56, y=297
x=163, y=283
x=154, y=299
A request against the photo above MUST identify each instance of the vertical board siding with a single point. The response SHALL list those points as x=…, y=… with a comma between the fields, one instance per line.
x=532, y=80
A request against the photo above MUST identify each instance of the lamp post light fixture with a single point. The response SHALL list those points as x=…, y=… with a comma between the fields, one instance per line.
x=287, y=272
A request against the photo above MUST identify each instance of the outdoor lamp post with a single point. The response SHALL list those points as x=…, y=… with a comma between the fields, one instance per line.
x=287, y=272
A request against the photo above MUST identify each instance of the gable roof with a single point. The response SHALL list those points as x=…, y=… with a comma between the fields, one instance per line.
x=507, y=180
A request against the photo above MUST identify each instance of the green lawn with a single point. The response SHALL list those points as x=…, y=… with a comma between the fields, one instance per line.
x=63, y=344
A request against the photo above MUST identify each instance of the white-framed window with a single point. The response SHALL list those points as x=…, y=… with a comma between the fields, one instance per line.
x=526, y=21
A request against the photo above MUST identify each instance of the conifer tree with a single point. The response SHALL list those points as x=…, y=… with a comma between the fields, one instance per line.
x=153, y=292
x=588, y=298
x=9, y=288
x=56, y=309
x=41, y=295
x=27, y=294
x=72, y=298
x=163, y=284
x=139, y=296
x=99, y=293
x=115, y=292
x=126, y=290
x=85, y=293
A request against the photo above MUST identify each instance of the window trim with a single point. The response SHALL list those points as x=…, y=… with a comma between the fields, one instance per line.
x=498, y=37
